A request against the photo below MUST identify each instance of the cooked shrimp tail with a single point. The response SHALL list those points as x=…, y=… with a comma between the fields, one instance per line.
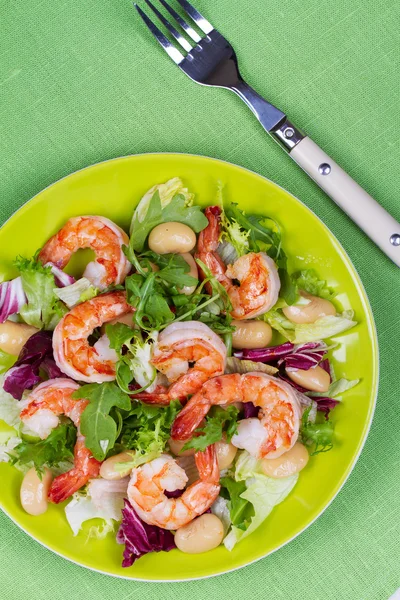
x=86, y=467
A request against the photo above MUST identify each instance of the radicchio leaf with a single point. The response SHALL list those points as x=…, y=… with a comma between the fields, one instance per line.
x=36, y=354
x=140, y=538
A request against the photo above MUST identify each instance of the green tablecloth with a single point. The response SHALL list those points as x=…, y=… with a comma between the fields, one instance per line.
x=82, y=82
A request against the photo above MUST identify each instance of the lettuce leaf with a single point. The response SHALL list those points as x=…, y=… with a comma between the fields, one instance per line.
x=9, y=407
x=56, y=448
x=102, y=499
x=309, y=281
x=146, y=430
x=6, y=361
x=43, y=309
x=262, y=492
x=164, y=203
x=323, y=328
x=79, y=291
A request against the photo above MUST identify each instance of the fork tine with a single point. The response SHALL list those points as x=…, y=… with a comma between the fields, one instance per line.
x=169, y=48
x=189, y=30
x=200, y=21
x=179, y=38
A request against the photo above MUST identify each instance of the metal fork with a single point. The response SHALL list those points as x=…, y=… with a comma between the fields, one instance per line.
x=212, y=61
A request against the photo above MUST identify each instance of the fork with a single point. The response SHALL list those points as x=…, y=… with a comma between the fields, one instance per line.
x=212, y=61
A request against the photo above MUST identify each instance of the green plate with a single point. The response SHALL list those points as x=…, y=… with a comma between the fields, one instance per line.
x=112, y=189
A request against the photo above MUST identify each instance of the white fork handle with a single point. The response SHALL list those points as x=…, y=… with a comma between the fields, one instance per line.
x=370, y=216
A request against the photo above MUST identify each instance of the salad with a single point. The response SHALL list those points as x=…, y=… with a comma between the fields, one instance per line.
x=175, y=391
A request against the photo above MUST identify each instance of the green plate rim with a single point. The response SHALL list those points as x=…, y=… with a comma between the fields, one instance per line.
x=375, y=358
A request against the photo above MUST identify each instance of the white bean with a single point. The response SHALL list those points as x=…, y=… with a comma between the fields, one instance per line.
x=289, y=463
x=193, y=272
x=226, y=453
x=13, y=336
x=250, y=335
x=315, y=379
x=108, y=471
x=176, y=447
x=309, y=313
x=172, y=237
x=34, y=491
x=200, y=535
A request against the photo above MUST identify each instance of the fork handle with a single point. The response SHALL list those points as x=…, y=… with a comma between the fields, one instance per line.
x=370, y=216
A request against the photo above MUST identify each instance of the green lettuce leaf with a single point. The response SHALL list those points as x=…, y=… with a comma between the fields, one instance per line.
x=317, y=436
x=240, y=510
x=97, y=425
x=336, y=388
x=58, y=447
x=44, y=309
x=309, y=281
x=6, y=361
x=162, y=204
x=9, y=407
x=323, y=328
x=262, y=492
x=146, y=430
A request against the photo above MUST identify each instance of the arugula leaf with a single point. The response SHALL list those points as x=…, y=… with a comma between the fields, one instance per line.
x=218, y=421
x=55, y=449
x=240, y=509
x=98, y=427
x=176, y=210
x=43, y=309
x=146, y=430
x=6, y=361
x=318, y=436
x=309, y=281
x=119, y=334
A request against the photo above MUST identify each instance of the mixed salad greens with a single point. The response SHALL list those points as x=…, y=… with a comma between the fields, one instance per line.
x=122, y=415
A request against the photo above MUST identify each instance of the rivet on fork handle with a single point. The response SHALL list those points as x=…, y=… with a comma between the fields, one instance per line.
x=287, y=135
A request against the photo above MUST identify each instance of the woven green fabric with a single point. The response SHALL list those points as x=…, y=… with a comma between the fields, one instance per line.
x=82, y=82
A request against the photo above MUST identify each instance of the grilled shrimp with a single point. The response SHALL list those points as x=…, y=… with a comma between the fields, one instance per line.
x=149, y=482
x=188, y=354
x=258, y=278
x=270, y=435
x=103, y=236
x=41, y=414
x=72, y=352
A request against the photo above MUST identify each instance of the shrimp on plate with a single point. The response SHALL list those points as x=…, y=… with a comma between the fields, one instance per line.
x=257, y=274
x=188, y=354
x=273, y=433
x=103, y=236
x=72, y=351
x=41, y=413
x=149, y=482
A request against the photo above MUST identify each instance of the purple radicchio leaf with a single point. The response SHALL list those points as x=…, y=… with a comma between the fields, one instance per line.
x=12, y=298
x=62, y=279
x=140, y=538
x=36, y=354
x=304, y=356
x=174, y=494
x=265, y=355
x=250, y=411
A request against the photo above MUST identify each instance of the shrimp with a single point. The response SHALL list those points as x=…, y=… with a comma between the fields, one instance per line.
x=103, y=236
x=257, y=274
x=41, y=414
x=188, y=354
x=148, y=483
x=72, y=352
x=270, y=435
